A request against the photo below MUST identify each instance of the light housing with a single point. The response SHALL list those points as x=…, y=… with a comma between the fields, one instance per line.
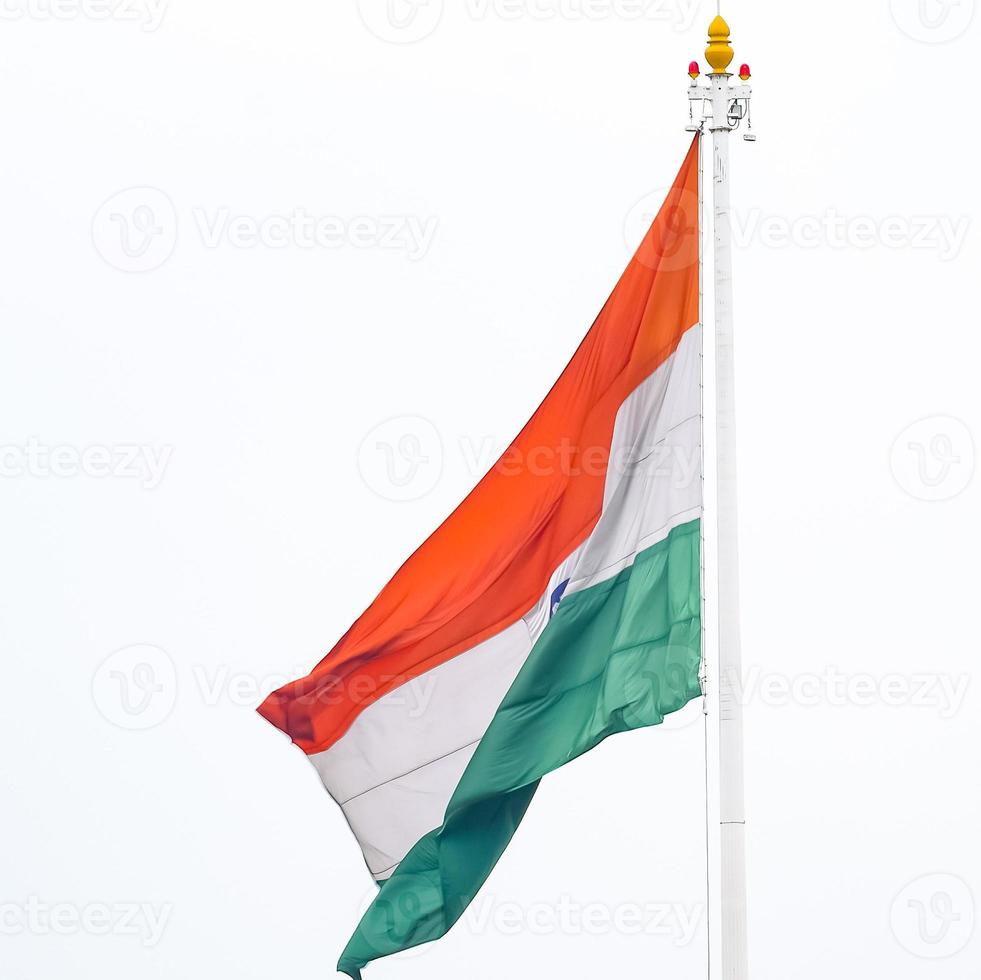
x=694, y=71
x=744, y=73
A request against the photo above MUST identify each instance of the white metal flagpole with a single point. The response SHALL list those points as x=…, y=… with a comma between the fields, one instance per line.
x=729, y=104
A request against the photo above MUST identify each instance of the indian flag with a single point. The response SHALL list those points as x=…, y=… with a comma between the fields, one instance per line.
x=560, y=603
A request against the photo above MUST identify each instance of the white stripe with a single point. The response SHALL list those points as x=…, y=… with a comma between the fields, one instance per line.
x=655, y=478
x=396, y=767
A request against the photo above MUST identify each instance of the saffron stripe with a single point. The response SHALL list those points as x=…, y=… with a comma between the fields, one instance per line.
x=491, y=560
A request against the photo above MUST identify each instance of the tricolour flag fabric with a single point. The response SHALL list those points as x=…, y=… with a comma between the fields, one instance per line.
x=559, y=604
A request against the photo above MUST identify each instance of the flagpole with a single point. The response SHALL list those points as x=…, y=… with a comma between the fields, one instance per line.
x=728, y=106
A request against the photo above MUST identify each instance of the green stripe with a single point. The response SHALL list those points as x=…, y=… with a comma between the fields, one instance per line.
x=617, y=656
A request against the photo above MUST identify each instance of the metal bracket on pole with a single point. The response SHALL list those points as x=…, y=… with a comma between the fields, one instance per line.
x=739, y=99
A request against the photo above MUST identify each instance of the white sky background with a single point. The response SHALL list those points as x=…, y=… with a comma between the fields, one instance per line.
x=484, y=184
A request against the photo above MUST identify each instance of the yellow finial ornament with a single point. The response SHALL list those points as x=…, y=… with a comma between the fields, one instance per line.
x=719, y=52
